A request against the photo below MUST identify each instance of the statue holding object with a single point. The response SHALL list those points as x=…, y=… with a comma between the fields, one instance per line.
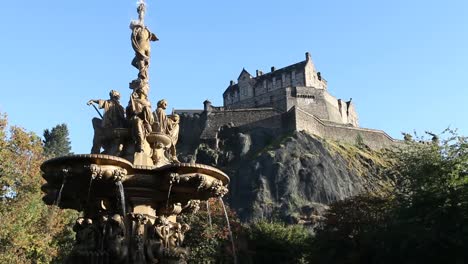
x=168, y=125
x=113, y=118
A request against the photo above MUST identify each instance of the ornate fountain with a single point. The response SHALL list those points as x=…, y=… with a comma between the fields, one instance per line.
x=131, y=188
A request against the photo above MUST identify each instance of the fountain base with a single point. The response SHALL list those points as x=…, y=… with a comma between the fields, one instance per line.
x=105, y=187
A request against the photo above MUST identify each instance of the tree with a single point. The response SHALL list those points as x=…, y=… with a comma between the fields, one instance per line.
x=423, y=220
x=208, y=239
x=56, y=141
x=30, y=231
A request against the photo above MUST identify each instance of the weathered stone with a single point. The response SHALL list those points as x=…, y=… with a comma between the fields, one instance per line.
x=293, y=176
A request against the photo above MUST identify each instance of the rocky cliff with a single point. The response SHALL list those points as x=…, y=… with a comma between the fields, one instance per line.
x=292, y=177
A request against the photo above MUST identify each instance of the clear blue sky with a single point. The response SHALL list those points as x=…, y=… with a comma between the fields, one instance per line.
x=404, y=63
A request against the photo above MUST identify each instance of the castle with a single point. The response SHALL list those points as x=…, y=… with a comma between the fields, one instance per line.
x=292, y=98
x=298, y=85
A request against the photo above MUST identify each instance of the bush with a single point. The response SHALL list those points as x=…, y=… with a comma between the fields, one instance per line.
x=278, y=243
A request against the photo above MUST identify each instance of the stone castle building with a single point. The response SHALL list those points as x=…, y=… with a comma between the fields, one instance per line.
x=297, y=85
x=292, y=98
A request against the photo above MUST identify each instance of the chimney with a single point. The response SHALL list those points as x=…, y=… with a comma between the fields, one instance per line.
x=232, y=83
x=259, y=73
x=307, y=55
x=273, y=69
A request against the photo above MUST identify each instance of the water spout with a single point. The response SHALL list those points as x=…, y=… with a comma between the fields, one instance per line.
x=122, y=196
x=59, y=196
x=89, y=190
x=104, y=229
x=209, y=213
x=230, y=231
x=168, y=194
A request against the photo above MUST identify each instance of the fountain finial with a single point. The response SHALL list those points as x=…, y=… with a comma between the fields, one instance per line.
x=141, y=11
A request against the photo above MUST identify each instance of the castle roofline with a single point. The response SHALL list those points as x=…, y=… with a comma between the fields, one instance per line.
x=231, y=88
x=244, y=71
x=273, y=73
x=290, y=68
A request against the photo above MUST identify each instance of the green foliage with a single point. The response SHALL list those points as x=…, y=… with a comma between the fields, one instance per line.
x=350, y=230
x=278, y=243
x=423, y=220
x=56, y=141
x=30, y=230
x=359, y=158
x=211, y=243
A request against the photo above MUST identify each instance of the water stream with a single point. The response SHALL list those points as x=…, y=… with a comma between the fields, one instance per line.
x=230, y=231
x=122, y=196
x=104, y=229
x=168, y=194
x=89, y=191
x=59, y=196
x=209, y=213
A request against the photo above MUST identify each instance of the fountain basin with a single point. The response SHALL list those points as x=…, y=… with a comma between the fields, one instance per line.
x=76, y=178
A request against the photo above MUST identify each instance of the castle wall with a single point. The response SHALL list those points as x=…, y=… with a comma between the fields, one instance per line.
x=310, y=100
x=352, y=115
x=248, y=118
x=275, y=98
x=312, y=78
x=375, y=139
x=190, y=128
x=334, y=114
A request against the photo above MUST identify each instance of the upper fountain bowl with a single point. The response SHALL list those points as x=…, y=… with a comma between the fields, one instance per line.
x=77, y=179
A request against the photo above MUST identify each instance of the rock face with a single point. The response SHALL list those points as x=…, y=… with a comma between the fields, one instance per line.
x=290, y=177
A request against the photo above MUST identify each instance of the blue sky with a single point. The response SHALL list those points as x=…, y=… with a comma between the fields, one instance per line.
x=404, y=63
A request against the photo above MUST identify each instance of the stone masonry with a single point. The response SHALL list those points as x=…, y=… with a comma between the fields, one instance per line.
x=292, y=98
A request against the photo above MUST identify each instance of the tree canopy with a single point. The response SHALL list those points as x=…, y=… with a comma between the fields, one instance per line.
x=423, y=220
x=30, y=232
x=56, y=141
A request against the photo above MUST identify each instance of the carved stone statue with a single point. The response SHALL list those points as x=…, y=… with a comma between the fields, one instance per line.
x=115, y=239
x=173, y=132
x=140, y=118
x=160, y=118
x=113, y=118
x=168, y=125
x=141, y=37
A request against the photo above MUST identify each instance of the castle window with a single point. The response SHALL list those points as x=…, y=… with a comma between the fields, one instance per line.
x=264, y=84
x=274, y=82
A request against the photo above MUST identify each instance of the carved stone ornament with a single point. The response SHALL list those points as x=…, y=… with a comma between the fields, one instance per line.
x=218, y=189
x=107, y=172
x=191, y=207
